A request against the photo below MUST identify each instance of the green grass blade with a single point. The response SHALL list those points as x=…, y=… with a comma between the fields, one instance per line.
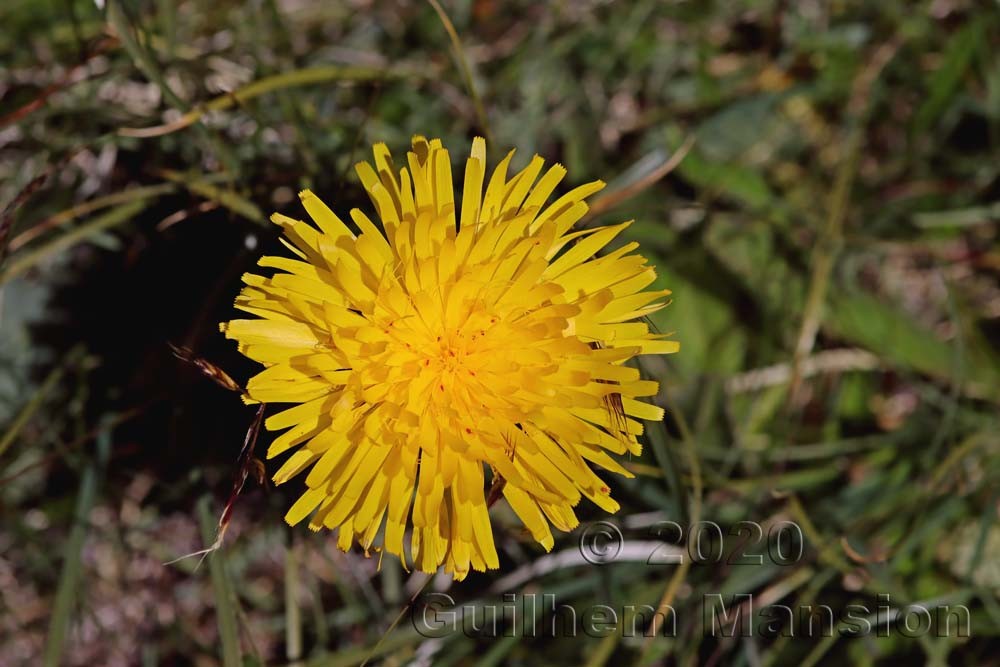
x=225, y=607
x=293, y=613
x=32, y=406
x=225, y=198
x=112, y=218
x=958, y=56
x=69, y=579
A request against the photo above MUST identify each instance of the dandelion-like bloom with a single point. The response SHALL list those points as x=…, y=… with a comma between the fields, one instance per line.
x=419, y=352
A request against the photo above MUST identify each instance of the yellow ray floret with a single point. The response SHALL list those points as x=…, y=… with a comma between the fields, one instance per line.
x=437, y=344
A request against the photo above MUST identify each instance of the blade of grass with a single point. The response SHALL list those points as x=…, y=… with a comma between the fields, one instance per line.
x=126, y=32
x=694, y=516
x=678, y=577
x=226, y=198
x=69, y=579
x=82, y=209
x=895, y=337
x=300, y=77
x=269, y=20
x=32, y=406
x=958, y=56
x=960, y=451
x=819, y=650
x=600, y=656
x=112, y=218
x=166, y=12
x=657, y=435
x=358, y=655
x=986, y=522
x=828, y=555
x=464, y=68
x=498, y=652
x=730, y=181
x=319, y=618
x=786, y=481
x=830, y=240
x=841, y=360
x=143, y=59
x=644, y=174
x=7, y=216
x=374, y=651
x=958, y=218
x=225, y=611
x=392, y=582
x=805, y=600
x=67, y=80
x=293, y=615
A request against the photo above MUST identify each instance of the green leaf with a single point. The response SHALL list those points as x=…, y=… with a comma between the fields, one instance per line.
x=945, y=80
x=895, y=337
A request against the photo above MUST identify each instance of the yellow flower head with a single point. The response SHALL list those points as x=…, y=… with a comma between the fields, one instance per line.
x=419, y=351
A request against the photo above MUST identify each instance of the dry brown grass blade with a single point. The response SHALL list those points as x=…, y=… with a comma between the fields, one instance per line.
x=7, y=216
x=496, y=491
x=246, y=464
x=103, y=46
x=612, y=199
x=89, y=206
x=207, y=368
x=858, y=557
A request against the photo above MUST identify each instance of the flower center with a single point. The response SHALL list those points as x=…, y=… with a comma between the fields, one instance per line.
x=456, y=361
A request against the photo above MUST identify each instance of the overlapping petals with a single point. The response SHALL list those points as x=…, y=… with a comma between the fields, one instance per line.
x=429, y=352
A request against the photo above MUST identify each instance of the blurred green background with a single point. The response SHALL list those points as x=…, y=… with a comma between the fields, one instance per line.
x=830, y=237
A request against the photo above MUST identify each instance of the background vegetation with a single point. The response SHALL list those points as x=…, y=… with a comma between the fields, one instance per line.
x=830, y=237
